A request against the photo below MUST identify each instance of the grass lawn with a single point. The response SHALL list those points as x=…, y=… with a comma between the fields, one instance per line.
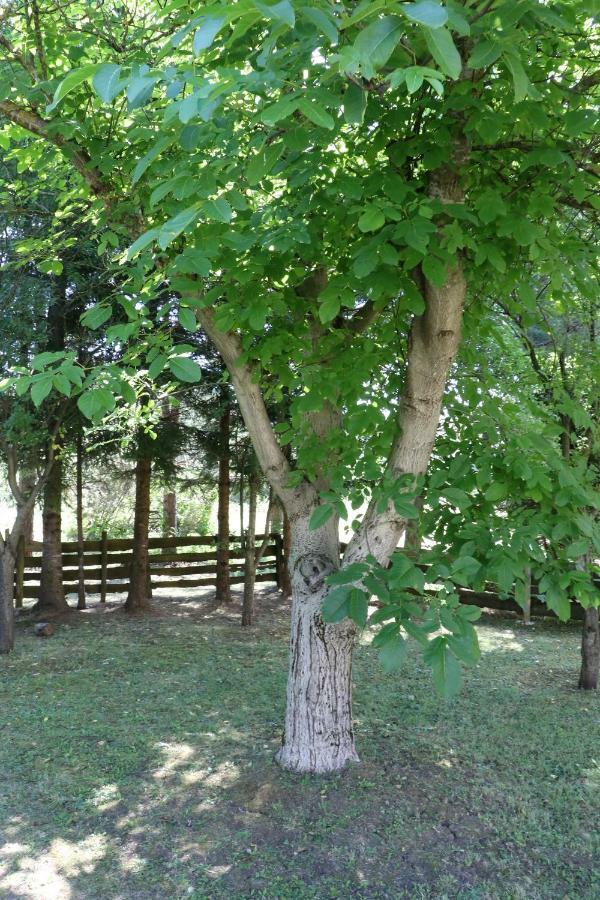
x=136, y=762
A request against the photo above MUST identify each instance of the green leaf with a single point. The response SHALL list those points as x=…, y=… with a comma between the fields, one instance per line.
x=336, y=604
x=263, y=162
x=434, y=271
x=321, y=21
x=320, y=515
x=157, y=365
x=372, y=219
x=142, y=242
x=355, y=104
x=40, y=389
x=71, y=81
x=426, y=13
x=206, y=33
x=315, y=112
x=94, y=404
x=520, y=80
x=176, y=225
x=279, y=110
x=414, y=79
x=217, y=210
x=484, y=54
x=187, y=319
x=278, y=12
x=193, y=262
x=358, y=607
x=392, y=654
x=96, y=316
x=376, y=43
x=62, y=384
x=106, y=82
x=185, y=369
x=329, y=308
x=139, y=90
x=496, y=491
x=442, y=48
x=149, y=158
x=444, y=667
x=348, y=574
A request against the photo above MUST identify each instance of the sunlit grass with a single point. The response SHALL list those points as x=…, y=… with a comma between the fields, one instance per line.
x=136, y=761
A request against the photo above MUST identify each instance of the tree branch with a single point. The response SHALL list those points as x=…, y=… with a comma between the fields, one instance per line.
x=273, y=462
x=33, y=123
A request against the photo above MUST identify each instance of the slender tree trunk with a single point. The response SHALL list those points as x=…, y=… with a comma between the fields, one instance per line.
x=52, y=592
x=250, y=553
x=318, y=735
x=223, y=588
x=590, y=650
x=170, y=514
x=81, y=604
x=139, y=581
x=241, y=502
x=527, y=598
x=7, y=613
x=27, y=483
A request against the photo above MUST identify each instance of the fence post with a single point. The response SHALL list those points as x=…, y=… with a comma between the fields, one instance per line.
x=278, y=558
x=20, y=572
x=103, y=560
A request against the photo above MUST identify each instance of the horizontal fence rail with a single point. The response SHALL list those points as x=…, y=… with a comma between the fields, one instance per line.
x=107, y=564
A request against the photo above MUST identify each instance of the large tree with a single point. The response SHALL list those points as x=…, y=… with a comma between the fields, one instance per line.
x=325, y=187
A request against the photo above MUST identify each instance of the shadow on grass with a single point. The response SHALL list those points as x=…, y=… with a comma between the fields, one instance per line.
x=137, y=758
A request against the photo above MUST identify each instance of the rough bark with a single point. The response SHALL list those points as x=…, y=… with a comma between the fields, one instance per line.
x=81, y=604
x=250, y=560
x=590, y=650
x=7, y=614
x=139, y=582
x=318, y=735
x=223, y=589
x=169, y=514
x=286, y=579
x=51, y=596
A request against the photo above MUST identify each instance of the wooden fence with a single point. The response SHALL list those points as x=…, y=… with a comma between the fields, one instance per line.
x=107, y=564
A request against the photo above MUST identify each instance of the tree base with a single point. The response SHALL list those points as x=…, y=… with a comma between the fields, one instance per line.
x=314, y=760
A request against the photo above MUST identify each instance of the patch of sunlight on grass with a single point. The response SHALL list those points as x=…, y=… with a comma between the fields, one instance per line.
x=217, y=871
x=498, y=639
x=175, y=755
x=129, y=860
x=105, y=797
x=46, y=876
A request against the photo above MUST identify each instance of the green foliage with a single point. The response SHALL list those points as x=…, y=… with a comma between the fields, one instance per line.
x=400, y=594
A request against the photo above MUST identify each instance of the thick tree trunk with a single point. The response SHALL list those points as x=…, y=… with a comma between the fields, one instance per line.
x=286, y=579
x=250, y=554
x=52, y=592
x=590, y=650
x=7, y=614
x=170, y=514
x=139, y=581
x=318, y=734
x=79, y=516
x=223, y=589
